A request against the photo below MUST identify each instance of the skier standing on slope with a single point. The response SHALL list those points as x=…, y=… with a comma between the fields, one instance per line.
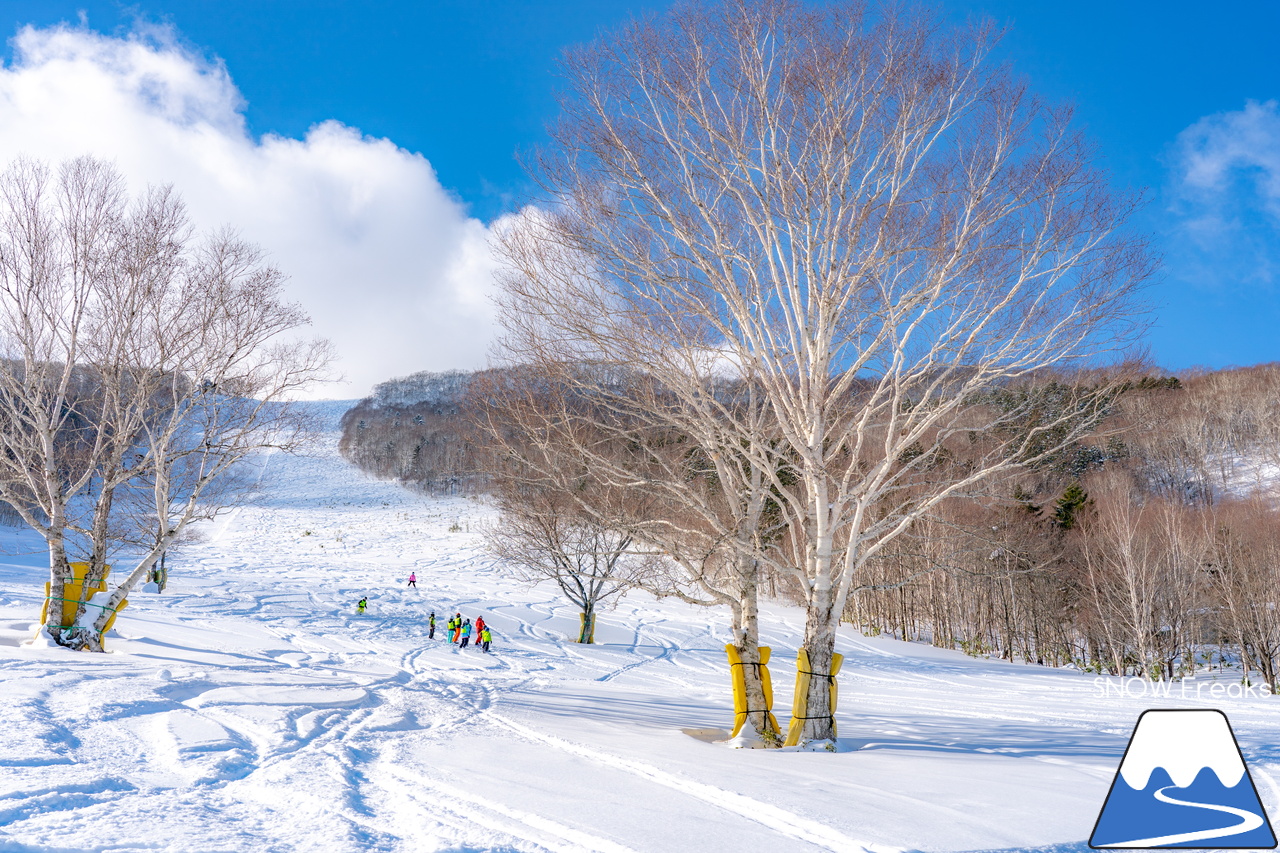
x=431, y=626
x=457, y=627
x=362, y=604
x=485, y=638
x=479, y=625
x=413, y=579
x=466, y=634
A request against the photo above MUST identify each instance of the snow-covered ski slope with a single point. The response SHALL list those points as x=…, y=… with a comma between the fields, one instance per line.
x=249, y=708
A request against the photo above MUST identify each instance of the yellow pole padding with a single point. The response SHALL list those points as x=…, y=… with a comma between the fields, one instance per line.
x=739, y=681
x=582, y=621
x=803, y=674
x=73, y=588
x=79, y=570
x=739, y=689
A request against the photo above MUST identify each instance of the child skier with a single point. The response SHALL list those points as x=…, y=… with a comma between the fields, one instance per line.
x=362, y=604
x=431, y=626
x=413, y=579
x=485, y=637
x=466, y=633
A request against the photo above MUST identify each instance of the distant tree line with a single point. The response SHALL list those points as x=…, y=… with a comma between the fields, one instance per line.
x=1151, y=549
x=411, y=430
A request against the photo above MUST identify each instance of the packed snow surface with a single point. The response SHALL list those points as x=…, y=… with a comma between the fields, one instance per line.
x=250, y=708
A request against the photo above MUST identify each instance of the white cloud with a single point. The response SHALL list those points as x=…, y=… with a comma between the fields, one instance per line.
x=1246, y=143
x=386, y=262
x=1227, y=196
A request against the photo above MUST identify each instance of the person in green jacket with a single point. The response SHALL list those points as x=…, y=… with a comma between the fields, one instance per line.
x=431, y=626
x=485, y=638
x=362, y=604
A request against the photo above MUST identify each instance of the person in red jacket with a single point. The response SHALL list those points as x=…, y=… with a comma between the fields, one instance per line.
x=479, y=624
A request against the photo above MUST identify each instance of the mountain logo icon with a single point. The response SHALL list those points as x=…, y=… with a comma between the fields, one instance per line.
x=1183, y=784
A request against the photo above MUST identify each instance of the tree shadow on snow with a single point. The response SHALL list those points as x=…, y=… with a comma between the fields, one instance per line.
x=943, y=733
x=939, y=734
x=644, y=708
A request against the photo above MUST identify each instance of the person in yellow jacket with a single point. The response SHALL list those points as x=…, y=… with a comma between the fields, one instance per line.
x=485, y=638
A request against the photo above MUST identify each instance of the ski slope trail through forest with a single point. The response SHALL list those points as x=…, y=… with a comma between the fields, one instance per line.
x=251, y=708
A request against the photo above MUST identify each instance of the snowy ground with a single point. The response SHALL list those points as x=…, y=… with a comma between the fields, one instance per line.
x=1244, y=477
x=250, y=709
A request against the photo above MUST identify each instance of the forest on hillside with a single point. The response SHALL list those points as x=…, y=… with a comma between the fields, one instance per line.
x=411, y=430
x=1151, y=547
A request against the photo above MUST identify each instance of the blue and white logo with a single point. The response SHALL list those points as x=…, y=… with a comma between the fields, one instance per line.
x=1183, y=783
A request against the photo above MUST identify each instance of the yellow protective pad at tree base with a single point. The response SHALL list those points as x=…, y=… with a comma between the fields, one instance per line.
x=582, y=620
x=740, y=688
x=802, y=691
x=73, y=589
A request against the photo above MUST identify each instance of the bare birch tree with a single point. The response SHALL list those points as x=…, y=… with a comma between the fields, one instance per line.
x=850, y=205
x=1141, y=559
x=656, y=454
x=1245, y=571
x=137, y=367
x=543, y=537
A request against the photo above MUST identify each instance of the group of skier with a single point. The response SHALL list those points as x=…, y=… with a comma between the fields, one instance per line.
x=458, y=630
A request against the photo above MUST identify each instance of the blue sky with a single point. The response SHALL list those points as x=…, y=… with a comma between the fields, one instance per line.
x=1179, y=96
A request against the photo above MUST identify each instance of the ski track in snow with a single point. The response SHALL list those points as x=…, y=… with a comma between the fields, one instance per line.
x=249, y=708
x=774, y=818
